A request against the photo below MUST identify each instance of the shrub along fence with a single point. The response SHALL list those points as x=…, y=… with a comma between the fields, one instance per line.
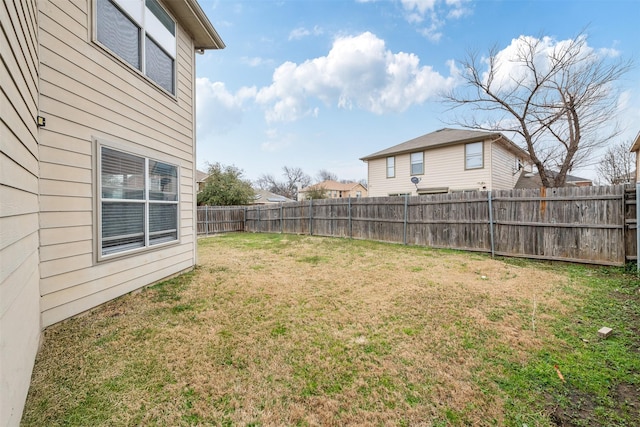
x=578, y=224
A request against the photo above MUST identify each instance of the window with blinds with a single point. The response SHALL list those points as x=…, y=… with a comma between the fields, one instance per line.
x=417, y=163
x=473, y=154
x=391, y=167
x=138, y=202
x=143, y=34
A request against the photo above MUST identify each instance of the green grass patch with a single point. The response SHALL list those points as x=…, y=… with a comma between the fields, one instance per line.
x=370, y=333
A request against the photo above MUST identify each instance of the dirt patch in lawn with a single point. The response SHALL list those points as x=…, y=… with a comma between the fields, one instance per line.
x=294, y=330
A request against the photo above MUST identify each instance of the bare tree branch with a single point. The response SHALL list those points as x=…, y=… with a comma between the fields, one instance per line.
x=618, y=164
x=295, y=178
x=559, y=100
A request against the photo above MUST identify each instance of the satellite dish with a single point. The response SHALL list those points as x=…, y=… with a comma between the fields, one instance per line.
x=415, y=180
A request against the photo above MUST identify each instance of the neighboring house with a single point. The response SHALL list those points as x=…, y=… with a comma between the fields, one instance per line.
x=97, y=179
x=532, y=180
x=335, y=190
x=635, y=148
x=446, y=160
x=201, y=180
x=627, y=178
x=264, y=197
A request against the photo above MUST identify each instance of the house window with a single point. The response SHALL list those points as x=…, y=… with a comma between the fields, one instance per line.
x=138, y=202
x=391, y=167
x=358, y=194
x=142, y=34
x=519, y=164
x=417, y=163
x=473, y=154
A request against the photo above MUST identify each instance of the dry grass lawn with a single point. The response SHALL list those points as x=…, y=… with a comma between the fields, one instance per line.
x=276, y=330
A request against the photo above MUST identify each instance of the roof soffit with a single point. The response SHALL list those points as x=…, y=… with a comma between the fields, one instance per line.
x=195, y=22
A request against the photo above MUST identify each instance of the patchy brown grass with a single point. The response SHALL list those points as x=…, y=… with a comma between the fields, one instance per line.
x=291, y=330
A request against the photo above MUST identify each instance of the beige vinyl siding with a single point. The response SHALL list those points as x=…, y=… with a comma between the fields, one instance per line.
x=443, y=167
x=381, y=186
x=19, y=292
x=504, y=174
x=90, y=96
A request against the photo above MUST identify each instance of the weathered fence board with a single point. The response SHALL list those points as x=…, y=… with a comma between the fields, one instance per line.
x=578, y=224
x=220, y=219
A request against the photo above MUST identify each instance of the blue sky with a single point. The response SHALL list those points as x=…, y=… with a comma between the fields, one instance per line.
x=318, y=84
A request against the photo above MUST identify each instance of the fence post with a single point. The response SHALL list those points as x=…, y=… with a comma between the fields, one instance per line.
x=350, y=232
x=331, y=219
x=206, y=220
x=404, y=230
x=493, y=250
x=281, y=226
x=310, y=217
x=259, y=227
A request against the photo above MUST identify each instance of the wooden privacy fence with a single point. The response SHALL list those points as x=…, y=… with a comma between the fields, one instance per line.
x=220, y=219
x=578, y=224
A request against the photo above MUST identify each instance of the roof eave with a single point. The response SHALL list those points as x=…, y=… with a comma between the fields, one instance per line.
x=193, y=19
x=636, y=144
x=382, y=153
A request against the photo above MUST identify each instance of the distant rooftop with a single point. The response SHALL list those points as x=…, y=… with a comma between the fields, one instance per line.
x=441, y=137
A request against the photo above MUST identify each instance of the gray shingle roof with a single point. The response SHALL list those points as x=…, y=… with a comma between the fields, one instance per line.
x=532, y=180
x=439, y=138
x=265, y=197
x=201, y=176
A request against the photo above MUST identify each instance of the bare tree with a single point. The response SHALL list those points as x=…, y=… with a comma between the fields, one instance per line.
x=617, y=164
x=295, y=178
x=560, y=99
x=325, y=175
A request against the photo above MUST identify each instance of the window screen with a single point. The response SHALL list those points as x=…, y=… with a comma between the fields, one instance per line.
x=142, y=34
x=139, y=202
x=391, y=167
x=119, y=33
x=473, y=155
x=159, y=65
x=417, y=163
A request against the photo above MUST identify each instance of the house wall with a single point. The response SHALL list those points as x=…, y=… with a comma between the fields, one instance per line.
x=19, y=294
x=353, y=192
x=443, y=167
x=503, y=162
x=87, y=95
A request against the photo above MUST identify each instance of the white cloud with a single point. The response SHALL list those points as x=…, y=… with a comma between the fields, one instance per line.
x=511, y=70
x=217, y=109
x=276, y=141
x=628, y=113
x=256, y=61
x=432, y=32
x=610, y=52
x=301, y=32
x=430, y=16
x=358, y=72
x=419, y=6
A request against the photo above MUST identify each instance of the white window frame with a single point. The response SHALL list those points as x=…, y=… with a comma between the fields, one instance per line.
x=148, y=26
x=390, y=163
x=147, y=201
x=473, y=156
x=415, y=161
